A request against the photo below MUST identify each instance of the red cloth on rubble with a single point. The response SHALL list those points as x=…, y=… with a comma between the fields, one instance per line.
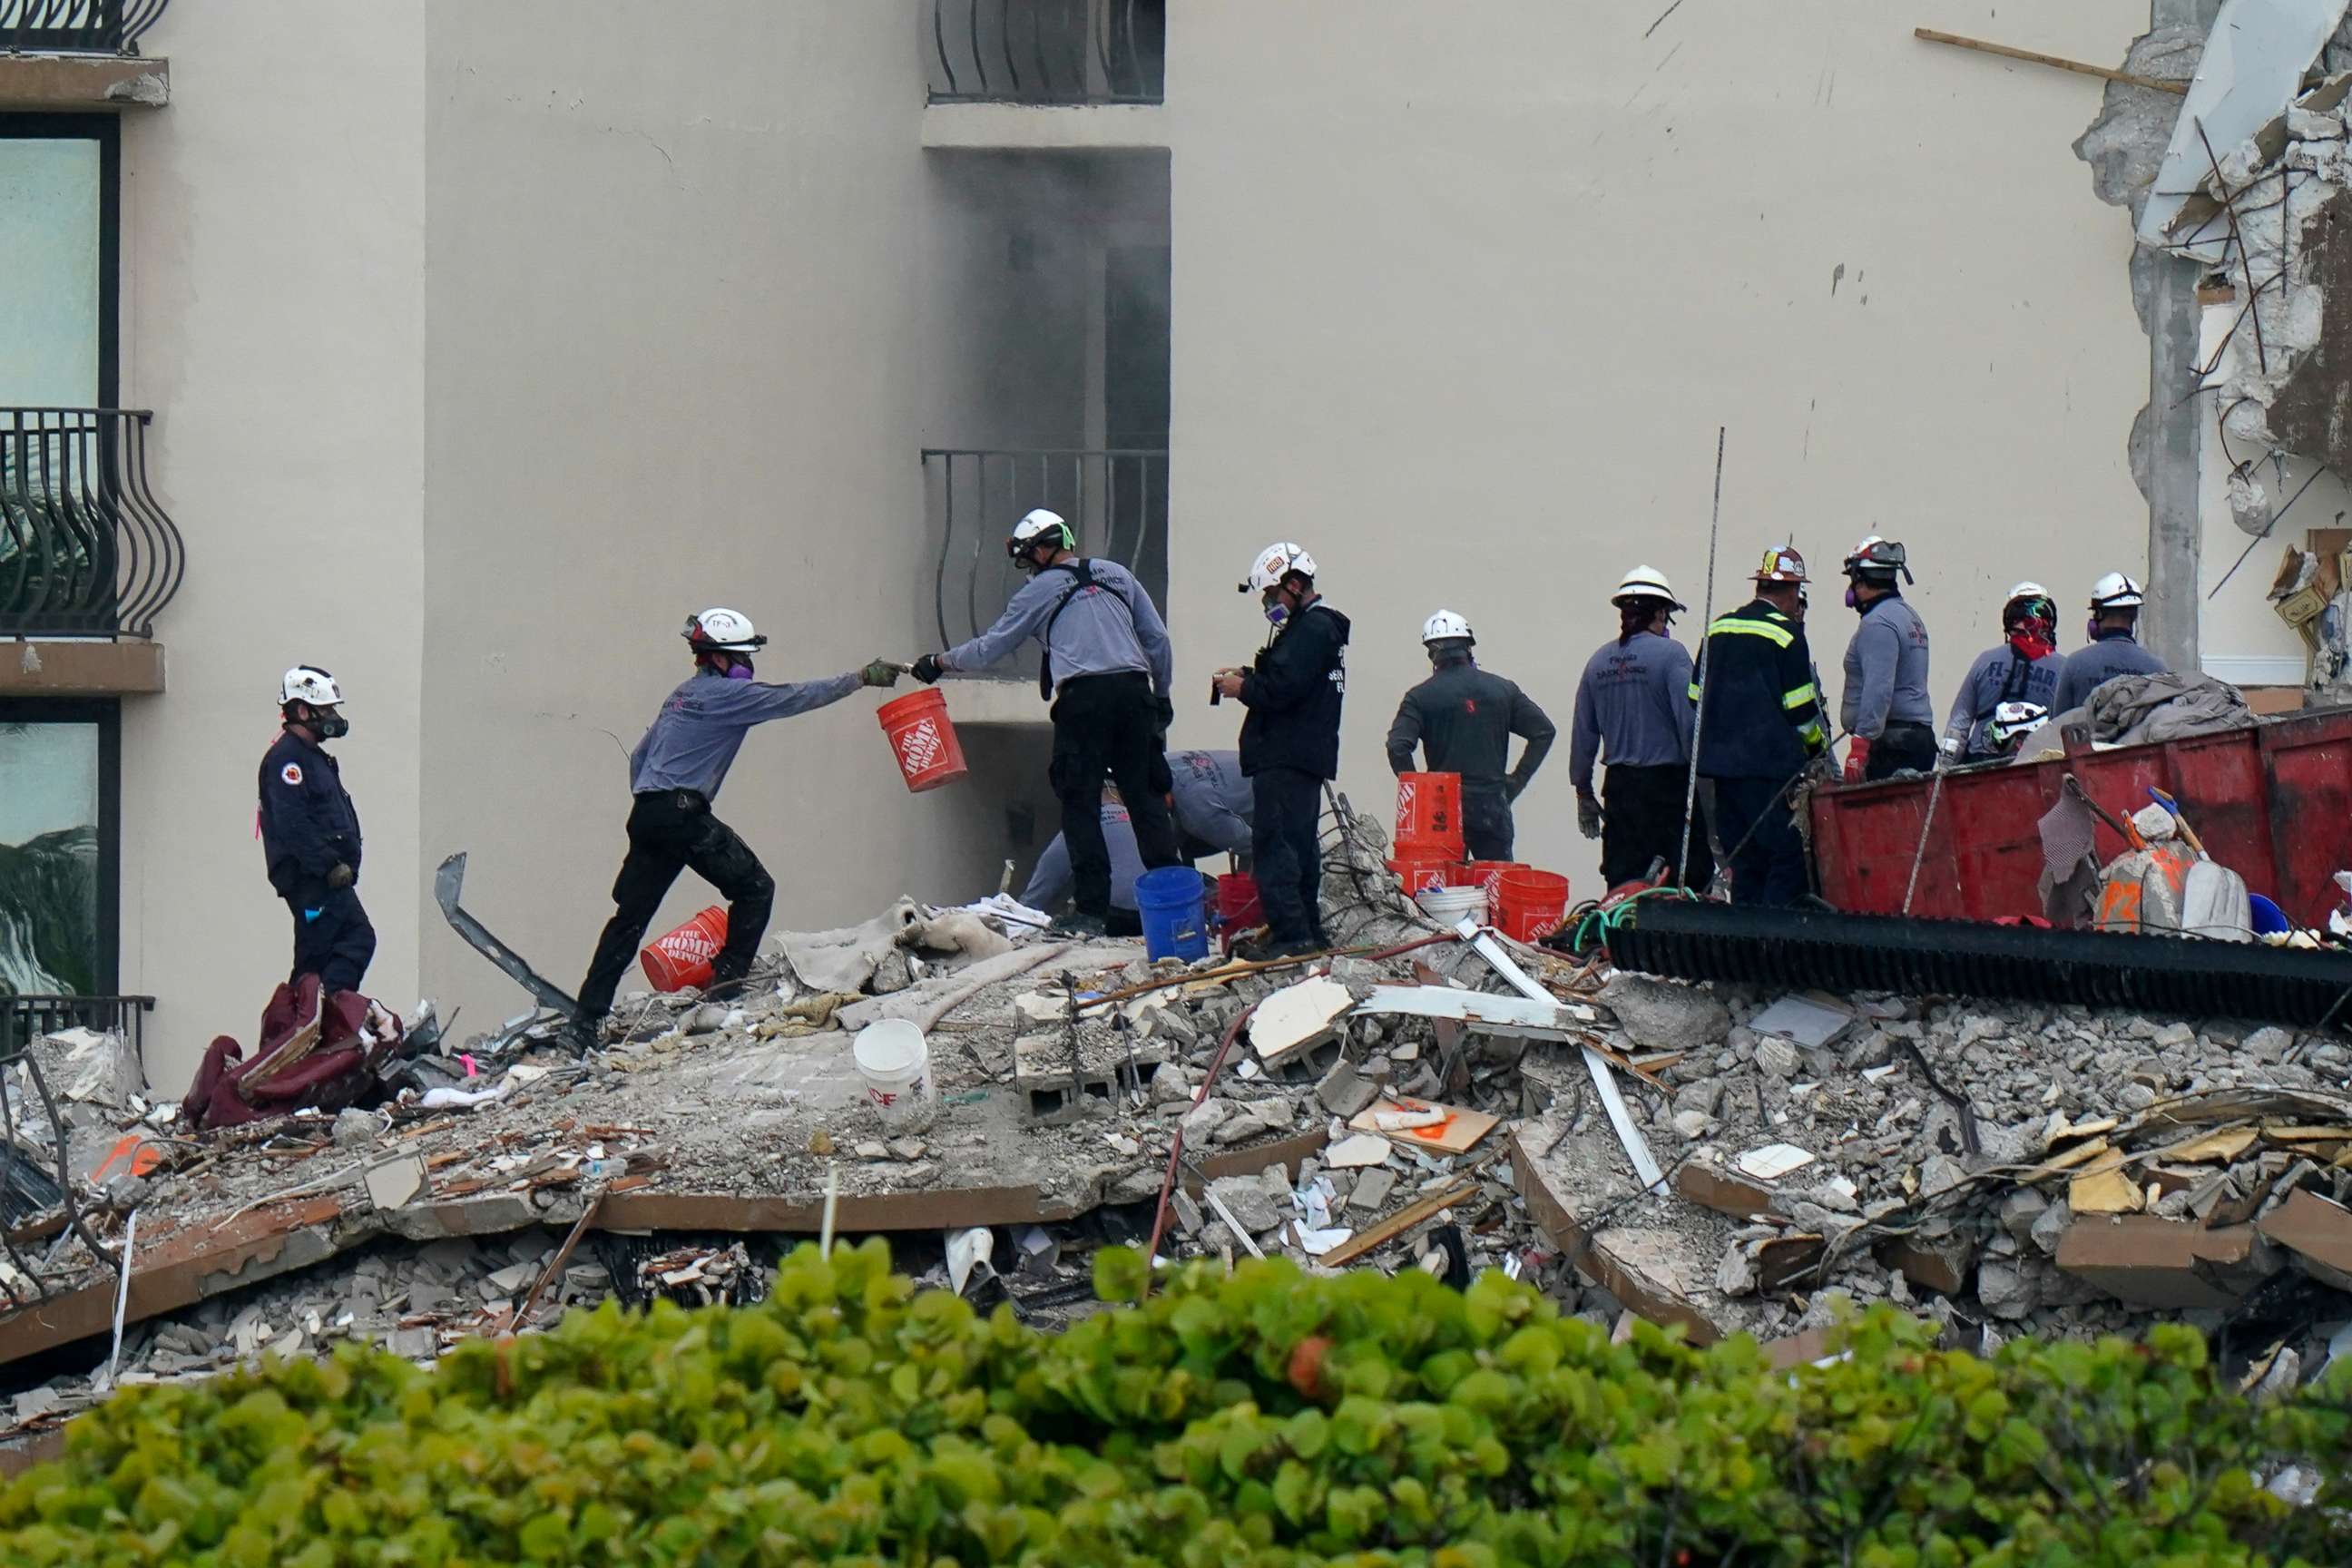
x=335, y=1073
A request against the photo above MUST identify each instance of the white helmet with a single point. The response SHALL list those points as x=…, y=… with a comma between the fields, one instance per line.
x=308, y=683
x=2012, y=721
x=1647, y=582
x=2026, y=591
x=2115, y=592
x=1034, y=525
x=1446, y=627
x=722, y=631
x=1276, y=562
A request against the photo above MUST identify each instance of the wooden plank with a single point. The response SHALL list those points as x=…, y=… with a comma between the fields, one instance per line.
x=2056, y=62
x=1459, y=1132
x=1396, y=1224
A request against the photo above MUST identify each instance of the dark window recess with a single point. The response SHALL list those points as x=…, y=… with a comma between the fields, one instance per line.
x=1048, y=51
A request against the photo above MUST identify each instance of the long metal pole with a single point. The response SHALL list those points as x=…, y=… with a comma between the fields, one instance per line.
x=1699, y=720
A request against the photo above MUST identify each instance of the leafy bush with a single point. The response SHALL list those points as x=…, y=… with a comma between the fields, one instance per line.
x=1264, y=1419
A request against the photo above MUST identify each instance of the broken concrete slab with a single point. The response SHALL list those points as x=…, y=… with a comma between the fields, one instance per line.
x=1360, y=1150
x=2155, y=1262
x=395, y=1182
x=2317, y=1232
x=1345, y=1092
x=1802, y=1022
x=1665, y=1014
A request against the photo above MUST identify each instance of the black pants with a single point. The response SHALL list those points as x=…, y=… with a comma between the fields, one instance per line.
x=1643, y=824
x=1106, y=723
x=1901, y=745
x=1486, y=830
x=1286, y=819
x=1770, y=868
x=669, y=831
x=332, y=938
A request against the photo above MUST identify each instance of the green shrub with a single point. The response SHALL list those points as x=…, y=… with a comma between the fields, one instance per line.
x=1264, y=1419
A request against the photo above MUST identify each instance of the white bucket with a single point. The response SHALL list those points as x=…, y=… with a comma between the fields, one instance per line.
x=896, y=1063
x=1449, y=905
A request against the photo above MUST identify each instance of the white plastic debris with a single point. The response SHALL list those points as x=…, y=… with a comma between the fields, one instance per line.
x=1774, y=1161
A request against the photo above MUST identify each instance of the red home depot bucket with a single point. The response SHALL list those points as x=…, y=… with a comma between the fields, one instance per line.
x=1529, y=904
x=922, y=739
x=683, y=958
x=1428, y=813
x=1486, y=874
x=1419, y=866
x=1238, y=908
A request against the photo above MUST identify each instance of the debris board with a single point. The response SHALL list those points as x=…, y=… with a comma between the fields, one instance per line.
x=2155, y=1262
x=1804, y=1023
x=1459, y=1129
x=1479, y=1010
x=1296, y=1016
x=1397, y=1224
x=2317, y=1231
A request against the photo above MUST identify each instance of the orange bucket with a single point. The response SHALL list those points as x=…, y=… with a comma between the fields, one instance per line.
x=683, y=958
x=1486, y=874
x=922, y=739
x=1428, y=813
x=1417, y=869
x=1529, y=904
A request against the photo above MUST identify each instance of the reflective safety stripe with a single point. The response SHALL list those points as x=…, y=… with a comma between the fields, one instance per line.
x=1780, y=636
x=1813, y=736
x=1799, y=696
x=1694, y=690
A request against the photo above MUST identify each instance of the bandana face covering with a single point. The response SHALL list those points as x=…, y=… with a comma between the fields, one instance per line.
x=2033, y=642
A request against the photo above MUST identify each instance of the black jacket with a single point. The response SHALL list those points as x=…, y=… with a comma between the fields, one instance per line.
x=1763, y=713
x=308, y=825
x=1293, y=693
x=1464, y=719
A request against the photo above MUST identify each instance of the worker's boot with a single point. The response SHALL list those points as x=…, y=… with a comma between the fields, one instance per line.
x=1081, y=925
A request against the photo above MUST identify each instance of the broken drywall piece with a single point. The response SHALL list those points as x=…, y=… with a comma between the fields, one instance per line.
x=2254, y=58
x=395, y=1182
x=1296, y=1016
x=1514, y=1015
x=1353, y=1153
x=1426, y=1124
x=1774, y=1161
x=1808, y=1023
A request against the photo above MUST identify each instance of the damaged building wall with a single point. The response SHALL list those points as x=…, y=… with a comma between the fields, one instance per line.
x=1617, y=228
x=272, y=303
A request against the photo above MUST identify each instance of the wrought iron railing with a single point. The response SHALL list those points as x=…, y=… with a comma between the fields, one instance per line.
x=1117, y=500
x=85, y=548
x=1049, y=51
x=75, y=27
x=24, y=1019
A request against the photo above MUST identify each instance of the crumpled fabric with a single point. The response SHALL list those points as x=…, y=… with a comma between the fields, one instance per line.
x=804, y=1014
x=956, y=931
x=846, y=959
x=314, y=1050
x=2138, y=709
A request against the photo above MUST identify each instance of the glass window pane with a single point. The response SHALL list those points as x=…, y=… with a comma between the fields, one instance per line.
x=48, y=858
x=49, y=207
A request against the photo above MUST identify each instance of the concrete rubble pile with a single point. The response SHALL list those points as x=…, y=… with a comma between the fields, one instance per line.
x=2003, y=1171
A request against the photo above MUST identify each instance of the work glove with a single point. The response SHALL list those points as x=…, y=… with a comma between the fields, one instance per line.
x=928, y=669
x=1587, y=816
x=879, y=672
x=1951, y=747
x=1857, y=759
x=342, y=876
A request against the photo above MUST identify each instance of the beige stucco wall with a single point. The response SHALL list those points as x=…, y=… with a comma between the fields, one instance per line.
x=675, y=355
x=272, y=305
x=1463, y=293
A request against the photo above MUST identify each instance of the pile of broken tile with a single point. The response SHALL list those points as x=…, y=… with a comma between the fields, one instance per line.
x=1457, y=1109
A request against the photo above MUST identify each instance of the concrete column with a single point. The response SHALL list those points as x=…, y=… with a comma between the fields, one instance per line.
x=2175, y=419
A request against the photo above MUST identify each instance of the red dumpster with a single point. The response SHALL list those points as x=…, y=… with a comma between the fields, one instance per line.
x=2271, y=801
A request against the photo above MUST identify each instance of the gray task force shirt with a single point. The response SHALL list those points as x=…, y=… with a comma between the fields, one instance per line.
x=693, y=740
x=1634, y=702
x=1886, y=671
x=1109, y=628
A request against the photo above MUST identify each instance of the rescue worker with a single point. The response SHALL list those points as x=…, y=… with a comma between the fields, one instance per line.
x=673, y=776
x=1463, y=719
x=2114, y=648
x=1633, y=705
x=1884, y=706
x=1107, y=666
x=1290, y=743
x=310, y=834
x=2024, y=669
x=1210, y=800
x=1760, y=729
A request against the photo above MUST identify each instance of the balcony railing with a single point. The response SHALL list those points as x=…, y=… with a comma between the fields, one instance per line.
x=1116, y=500
x=1049, y=51
x=85, y=548
x=24, y=1019
x=75, y=27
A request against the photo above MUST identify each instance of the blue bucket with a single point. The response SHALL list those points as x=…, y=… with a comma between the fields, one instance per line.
x=2268, y=918
x=1170, y=902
